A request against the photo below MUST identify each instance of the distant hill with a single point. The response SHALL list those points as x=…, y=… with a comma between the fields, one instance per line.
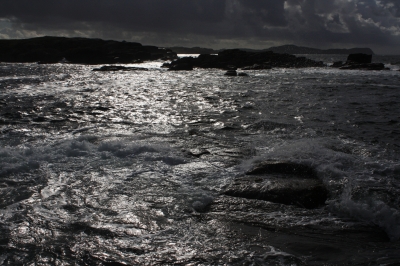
x=284, y=49
x=293, y=49
x=193, y=50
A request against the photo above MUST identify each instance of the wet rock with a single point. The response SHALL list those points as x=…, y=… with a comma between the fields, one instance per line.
x=370, y=66
x=232, y=73
x=198, y=152
x=281, y=182
x=184, y=63
x=183, y=66
x=118, y=68
x=306, y=193
x=317, y=232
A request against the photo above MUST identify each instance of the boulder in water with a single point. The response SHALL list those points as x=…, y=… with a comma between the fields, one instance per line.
x=231, y=73
x=178, y=67
x=306, y=193
x=281, y=182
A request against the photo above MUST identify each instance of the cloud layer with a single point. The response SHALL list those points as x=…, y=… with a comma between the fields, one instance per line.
x=211, y=23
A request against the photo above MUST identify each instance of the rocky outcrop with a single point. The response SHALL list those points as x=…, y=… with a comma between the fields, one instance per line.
x=79, y=51
x=281, y=182
x=235, y=58
x=359, y=61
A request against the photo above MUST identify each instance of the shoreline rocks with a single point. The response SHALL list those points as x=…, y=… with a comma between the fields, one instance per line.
x=49, y=50
x=359, y=62
x=235, y=58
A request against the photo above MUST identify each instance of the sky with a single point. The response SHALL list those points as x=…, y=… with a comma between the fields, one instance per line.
x=217, y=24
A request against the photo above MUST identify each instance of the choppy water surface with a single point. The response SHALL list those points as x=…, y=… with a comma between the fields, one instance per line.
x=127, y=168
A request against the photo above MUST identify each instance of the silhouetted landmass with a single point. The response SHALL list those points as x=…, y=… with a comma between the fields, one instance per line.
x=284, y=49
x=235, y=58
x=193, y=50
x=79, y=50
x=293, y=49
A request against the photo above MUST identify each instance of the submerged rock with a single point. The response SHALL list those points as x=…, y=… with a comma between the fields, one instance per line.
x=281, y=182
x=118, y=68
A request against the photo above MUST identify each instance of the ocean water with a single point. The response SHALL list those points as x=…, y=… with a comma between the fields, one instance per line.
x=129, y=168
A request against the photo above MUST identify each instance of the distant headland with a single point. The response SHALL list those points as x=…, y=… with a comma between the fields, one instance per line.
x=284, y=49
x=79, y=51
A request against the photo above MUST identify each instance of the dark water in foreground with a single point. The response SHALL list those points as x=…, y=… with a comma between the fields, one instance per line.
x=128, y=168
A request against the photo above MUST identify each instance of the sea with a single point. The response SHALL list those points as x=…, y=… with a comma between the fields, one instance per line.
x=130, y=167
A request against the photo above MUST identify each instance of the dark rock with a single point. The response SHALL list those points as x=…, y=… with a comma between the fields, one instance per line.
x=305, y=193
x=118, y=68
x=360, y=62
x=370, y=66
x=231, y=73
x=183, y=66
x=184, y=63
x=359, y=59
x=242, y=74
x=235, y=58
x=289, y=168
x=337, y=64
x=79, y=51
x=198, y=152
x=281, y=182
x=166, y=65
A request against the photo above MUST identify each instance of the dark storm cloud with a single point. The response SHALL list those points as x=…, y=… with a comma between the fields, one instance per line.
x=210, y=22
